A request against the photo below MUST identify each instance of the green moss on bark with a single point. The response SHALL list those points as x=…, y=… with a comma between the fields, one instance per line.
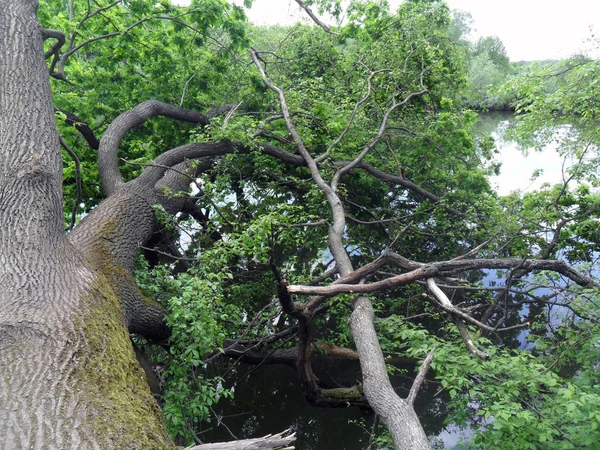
x=126, y=415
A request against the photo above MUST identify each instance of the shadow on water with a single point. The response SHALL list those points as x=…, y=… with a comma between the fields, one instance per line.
x=270, y=400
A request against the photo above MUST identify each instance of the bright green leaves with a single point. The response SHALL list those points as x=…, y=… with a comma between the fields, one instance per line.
x=547, y=398
x=119, y=54
x=198, y=319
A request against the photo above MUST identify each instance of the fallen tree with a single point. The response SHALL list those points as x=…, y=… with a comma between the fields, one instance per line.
x=348, y=203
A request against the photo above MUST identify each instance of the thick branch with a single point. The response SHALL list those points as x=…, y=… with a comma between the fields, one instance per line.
x=397, y=414
x=446, y=268
x=155, y=171
x=108, y=161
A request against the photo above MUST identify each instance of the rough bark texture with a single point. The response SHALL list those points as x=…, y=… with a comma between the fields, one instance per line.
x=68, y=374
x=108, y=163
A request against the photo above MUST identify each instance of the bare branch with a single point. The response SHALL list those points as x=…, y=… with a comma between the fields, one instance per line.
x=462, y=328
x=315, y=18
x=445, y=268
x=60, y=41
x=336, y=230
x=377, y=138
x=84, y=129
x=416, y=386
x=353, y=115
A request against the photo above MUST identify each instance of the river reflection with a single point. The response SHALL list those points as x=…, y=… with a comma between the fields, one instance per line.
x=519, y=163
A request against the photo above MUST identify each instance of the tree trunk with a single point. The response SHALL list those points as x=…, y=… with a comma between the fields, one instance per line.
x=397, y=413
x=68, y=374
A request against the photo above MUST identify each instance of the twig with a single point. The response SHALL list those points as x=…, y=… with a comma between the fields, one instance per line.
x=315, y=18
x=416, y=386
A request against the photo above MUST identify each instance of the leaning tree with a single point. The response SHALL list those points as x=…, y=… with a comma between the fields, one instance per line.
x=344, y=173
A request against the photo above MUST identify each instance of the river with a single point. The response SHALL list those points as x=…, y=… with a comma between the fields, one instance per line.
x=518, y=163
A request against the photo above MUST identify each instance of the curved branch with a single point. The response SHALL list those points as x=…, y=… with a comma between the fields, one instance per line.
x=446, y=268
x=154, y=172
x=60, y=41
x=336, y=230
x=54, y=51
x=84, y=129
x=108, y=161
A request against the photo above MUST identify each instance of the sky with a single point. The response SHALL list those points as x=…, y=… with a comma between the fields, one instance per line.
x=535, y=29
x=529, y=29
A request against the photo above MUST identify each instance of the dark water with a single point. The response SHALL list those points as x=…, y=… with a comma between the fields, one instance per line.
x=270, y=400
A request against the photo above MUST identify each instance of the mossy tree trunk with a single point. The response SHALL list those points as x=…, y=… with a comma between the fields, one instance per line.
x=68, y=374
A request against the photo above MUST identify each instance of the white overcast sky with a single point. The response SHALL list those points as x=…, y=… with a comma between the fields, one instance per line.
x=529, y=29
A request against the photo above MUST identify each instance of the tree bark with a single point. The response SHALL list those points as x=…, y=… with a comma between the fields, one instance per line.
x=397, y=413
x=68, y=374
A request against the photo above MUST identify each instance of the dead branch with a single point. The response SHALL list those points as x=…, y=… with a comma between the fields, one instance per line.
x=315, y=18
x=279, y=441
x=462, y=328
x=416, y=386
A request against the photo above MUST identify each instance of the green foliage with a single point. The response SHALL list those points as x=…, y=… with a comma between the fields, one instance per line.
x=489, y=69
x=122, y=53
x=517, y=399
x=555, y=93
x=412, y=68
x=198, y=319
